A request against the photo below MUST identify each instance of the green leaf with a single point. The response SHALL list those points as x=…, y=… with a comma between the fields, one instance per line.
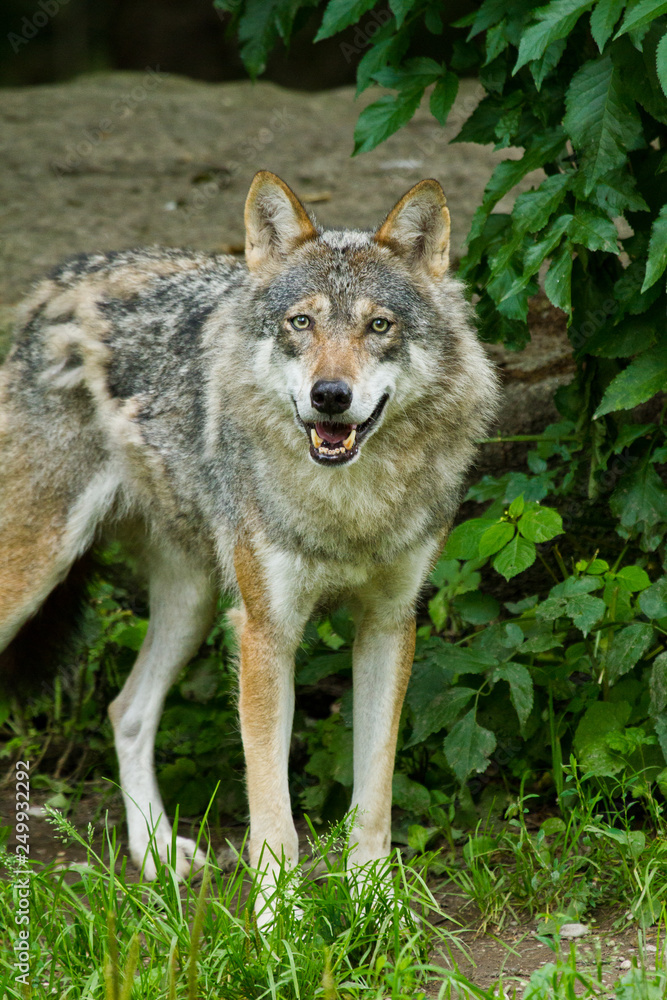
x=541, y=524
x=596, y=232
x=462, y=660
x=443, y=96
x=552, y=826
x=496, y=41
x=658, y=685
x=538, y=252
x=600, y=718
x=481, y=125
x=585, y=611
x=604, y=16
x=551, y=609
x=627, y=648
x=521, y=688
x=131, y=636
x=384, y=117
x=657, y=251
x=633, y=578
x=640, y=15
x=558, y=279
x=515, y=557
x=381, y=52
x=614, y=193
x=643, y=377
x=594, y=566
x=435, y=704
x=633, y=335
x=640, y=502
x=541, y=68
x=410, y=795
x=575, y=585
x=629, y=433
x=433, y=21
x=495, y=538
x=400, y=8
x=661, y=733
x=468, y=747
x=517, y=506
x=258, y=31
x=419, y=837
x=319, y=667
x=341, y=14
x=543, y=147
x=556, y=20
x=476, y=608
x=463, y=540
x=661, y=63
x=601, y=119
x=532, y=209
x=653, y=601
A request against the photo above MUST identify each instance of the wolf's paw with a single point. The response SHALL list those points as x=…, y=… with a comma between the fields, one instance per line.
x=269, y=902
x=189, y=859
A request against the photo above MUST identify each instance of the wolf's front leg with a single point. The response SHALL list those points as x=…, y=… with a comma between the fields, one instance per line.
x=266, y=708
x=270, y=628
x=383, y=654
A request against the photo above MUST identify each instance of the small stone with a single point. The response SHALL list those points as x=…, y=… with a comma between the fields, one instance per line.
x=574, y=930
x=651, y=947
x=625, y=964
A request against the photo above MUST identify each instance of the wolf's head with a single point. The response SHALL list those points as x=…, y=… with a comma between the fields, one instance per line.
x=354, y=323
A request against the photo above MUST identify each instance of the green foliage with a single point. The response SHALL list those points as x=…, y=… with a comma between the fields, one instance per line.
x=108, y=936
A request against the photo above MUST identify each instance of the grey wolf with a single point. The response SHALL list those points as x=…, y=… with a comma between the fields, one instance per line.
x=294, y=429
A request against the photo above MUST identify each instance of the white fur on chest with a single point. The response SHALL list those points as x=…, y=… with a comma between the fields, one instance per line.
x=296, y=584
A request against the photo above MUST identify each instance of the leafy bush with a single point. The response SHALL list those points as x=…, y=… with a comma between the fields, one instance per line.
x=580, y=87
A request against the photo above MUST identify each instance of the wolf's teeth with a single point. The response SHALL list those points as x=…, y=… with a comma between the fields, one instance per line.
x=349, y=441
x=315, y=438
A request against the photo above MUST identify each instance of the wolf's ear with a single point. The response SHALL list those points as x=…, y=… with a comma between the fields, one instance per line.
x=276, y=222
x=417, y=228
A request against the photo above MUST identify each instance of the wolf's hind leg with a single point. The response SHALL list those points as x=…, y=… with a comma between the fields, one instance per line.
x=41, y=536
x=182, y=606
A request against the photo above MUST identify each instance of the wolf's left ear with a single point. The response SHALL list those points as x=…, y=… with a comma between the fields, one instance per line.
x=276, y=222
x=417, y=228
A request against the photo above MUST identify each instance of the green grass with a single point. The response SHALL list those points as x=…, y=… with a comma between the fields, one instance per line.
x=98, y=934
x=606, y=850
x=95, y=933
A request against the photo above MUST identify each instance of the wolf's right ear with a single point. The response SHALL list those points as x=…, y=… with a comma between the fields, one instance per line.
x=276, y=223
x=417, y=228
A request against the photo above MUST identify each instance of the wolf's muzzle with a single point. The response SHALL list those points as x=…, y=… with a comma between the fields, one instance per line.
x=331, y=396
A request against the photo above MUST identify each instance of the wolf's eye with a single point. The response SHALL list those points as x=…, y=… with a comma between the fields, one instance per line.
x=300, y=322
x=380, y=325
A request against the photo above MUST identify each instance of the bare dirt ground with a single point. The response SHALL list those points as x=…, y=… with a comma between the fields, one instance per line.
x=512, y=951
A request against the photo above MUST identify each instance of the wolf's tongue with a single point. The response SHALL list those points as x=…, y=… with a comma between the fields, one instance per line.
x=334, y=433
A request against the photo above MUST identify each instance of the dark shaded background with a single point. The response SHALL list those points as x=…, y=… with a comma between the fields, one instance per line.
x=42, y=41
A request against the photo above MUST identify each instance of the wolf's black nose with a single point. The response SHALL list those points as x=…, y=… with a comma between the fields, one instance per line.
x=330, y=397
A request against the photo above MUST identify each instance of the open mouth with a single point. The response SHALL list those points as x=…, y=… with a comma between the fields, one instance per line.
x=333, y=443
